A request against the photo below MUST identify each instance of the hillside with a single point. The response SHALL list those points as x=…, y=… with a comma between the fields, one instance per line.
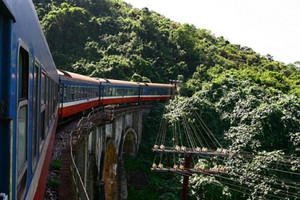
x=250, y=102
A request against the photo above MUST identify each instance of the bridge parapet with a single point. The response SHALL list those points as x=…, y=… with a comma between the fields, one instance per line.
x=98, y=148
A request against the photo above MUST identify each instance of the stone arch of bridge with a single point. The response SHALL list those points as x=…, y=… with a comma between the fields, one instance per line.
x=128, y=148
x=129, y=143
x=109, y=176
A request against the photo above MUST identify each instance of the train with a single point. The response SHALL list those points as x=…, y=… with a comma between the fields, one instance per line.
x=80, y=93
x=35, y=95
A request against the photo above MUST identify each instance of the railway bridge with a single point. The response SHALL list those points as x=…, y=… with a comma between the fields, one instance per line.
x=98, y=148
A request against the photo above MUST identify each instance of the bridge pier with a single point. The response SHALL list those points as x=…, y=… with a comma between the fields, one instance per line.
x=100, y=153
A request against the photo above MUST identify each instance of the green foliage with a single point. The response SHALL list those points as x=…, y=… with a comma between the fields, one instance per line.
x=206, y=187
x=245, y=117
x=159, y=186
x=250, y=102
x=54, y=182
x=56, y=164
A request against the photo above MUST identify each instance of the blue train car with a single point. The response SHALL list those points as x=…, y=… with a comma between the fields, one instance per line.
x=156, y=91
x=77, y=93
x=119, y=92
x=28, y=102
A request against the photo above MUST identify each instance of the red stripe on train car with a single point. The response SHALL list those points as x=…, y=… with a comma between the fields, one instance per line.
x=154, y=98
x=119, y=100
x=71, y=110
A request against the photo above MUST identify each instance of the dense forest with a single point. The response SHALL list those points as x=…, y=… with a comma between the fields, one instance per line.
x=250, y=102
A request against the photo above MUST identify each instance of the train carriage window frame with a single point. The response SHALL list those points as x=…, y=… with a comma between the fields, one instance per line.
x=61, y=86
x=42, y=110
x=76, y=93
x=46, y=101
x=35, y=106
x=51, y=100
x=22, y=120
x=72, y=93
x=47, y=119
x=65, y=93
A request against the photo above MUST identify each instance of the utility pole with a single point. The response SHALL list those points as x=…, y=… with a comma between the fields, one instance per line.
x=185, y=184
x=175, y=83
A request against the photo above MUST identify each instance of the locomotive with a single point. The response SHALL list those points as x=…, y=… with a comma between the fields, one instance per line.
x=34, y=95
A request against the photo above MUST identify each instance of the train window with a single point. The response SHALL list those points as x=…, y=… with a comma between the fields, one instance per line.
x=43, y=88
x=22, y=134
x=46, y=99
x=72, y=93
x=53, y=97
x=51, y=100
x=23, y=74
x=61, y=90
x=43, y=110
x=22, y=123
x=79, y=92
x=47, y=102
x=106, y=91
x=96, y=92
x=42, y=127
x=76, y=93
x=56, y=92
x=56, y=95
x=35, y=108
x=85, y=92
x=68, y=93
x=65, y=93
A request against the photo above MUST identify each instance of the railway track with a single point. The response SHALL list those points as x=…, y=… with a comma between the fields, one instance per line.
x=58, y=181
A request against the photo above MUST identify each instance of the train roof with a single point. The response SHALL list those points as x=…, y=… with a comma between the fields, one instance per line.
x=157, y=85
x=65, y=75
x=120, y=82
